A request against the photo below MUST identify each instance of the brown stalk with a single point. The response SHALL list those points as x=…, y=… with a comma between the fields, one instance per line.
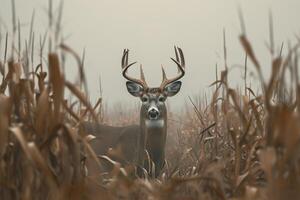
x=56, y=79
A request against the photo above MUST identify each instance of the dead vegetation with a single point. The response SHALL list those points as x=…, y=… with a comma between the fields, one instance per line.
x=240, y=145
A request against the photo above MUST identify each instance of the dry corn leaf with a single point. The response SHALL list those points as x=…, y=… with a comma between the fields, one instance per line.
x=2, y=68
x=57, y=81
x=70, y=111
x=81, y=97
x=5, y=111
x=42, y=113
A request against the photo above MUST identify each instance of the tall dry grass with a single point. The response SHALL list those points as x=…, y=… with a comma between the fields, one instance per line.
x=240, y=145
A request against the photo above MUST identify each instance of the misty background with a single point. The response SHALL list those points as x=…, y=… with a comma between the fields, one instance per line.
x=150, y=29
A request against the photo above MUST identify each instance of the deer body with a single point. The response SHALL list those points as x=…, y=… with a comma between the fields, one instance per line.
x=131, y=143
x=107, y=137
x=134, y=144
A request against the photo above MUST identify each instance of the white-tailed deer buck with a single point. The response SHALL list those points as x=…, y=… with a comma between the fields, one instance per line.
x=134, y=143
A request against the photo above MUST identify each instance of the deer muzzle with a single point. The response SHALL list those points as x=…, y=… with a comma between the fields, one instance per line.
x=153, y=113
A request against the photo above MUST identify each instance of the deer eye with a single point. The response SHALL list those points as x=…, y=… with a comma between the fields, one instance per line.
x=161, y=99
x=144, y=99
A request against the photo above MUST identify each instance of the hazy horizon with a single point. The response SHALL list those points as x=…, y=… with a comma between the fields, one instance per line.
x=150, y=29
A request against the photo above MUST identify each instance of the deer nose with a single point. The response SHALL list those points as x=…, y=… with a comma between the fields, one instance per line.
x=153, y=113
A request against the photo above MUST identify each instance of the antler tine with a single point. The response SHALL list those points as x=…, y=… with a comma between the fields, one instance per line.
x=125, y=53
x=180, y=62
x=176, y=53
x=126, y=58
x=126, y=66
x=181, y=57
x=142, y=73
x=164, y=73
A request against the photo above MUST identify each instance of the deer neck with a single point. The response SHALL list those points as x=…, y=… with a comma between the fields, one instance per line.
x=153, y=133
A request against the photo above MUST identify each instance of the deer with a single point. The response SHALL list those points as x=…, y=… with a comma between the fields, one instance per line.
x=135, y=143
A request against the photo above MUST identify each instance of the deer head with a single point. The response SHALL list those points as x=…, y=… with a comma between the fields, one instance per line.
x=153, y=98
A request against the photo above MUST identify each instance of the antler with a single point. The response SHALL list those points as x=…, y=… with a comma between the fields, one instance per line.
x=180, y=65
x=125, y=67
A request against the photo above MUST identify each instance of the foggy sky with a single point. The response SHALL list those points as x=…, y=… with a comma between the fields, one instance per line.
x=150, y=29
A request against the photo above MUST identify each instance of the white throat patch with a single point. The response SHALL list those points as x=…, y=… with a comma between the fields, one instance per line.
x=155, y=123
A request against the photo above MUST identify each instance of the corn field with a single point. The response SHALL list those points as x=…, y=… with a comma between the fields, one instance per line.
x=236, y=144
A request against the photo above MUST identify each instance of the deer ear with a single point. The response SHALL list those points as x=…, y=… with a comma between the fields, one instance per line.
x=134, y=89
x=172, y=88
